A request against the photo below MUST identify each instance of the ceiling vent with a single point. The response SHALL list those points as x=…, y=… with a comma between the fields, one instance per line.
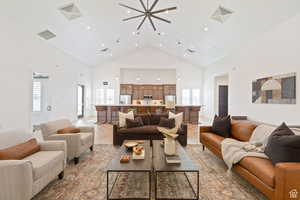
x=47, y=35
x=221, y=14
x=70, y=11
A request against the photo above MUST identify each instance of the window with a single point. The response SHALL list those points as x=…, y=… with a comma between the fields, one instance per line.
x=105, y=96
x=186, y=96
x=110, y=96
x=100, y=96
x=196, y=97
x=37, y=96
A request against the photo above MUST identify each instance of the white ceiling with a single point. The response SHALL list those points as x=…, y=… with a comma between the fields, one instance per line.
x=104, y=17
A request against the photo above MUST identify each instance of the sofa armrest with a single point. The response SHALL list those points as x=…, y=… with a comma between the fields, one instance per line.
x=73, y=143
x=16, y=180
x=84, y=129
x=55, y=146
x=206, y=129
x=116, y=138
x=287, y=180
x=182, y=138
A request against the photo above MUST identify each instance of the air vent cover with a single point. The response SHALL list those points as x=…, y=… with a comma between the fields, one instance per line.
x=71, y=11
x=222, y=14
x=47, y=35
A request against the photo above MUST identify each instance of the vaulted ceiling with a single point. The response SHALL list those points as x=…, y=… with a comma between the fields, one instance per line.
x=192, y=27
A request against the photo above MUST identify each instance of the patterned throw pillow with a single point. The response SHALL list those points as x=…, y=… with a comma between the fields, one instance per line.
x=178, y=119
x=123, y=117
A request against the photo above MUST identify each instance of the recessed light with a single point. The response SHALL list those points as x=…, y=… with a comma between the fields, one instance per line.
x=205, y=28
x=128, y=11
x=160, y=45
x=184, y=55
x=103, y=45
x=111, y=54
x=136, y=44
x=167, y=11
x=158, y=79
x=88, y=28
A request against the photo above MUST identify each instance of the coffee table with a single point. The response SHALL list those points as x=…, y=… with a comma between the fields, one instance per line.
x=134, y=166
x=160, y=166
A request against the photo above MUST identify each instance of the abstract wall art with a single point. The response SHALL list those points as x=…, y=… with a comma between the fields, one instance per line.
x=279, y=89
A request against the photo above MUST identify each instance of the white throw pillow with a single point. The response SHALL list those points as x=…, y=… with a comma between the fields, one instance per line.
x=261, y=134
x=123, y=117
x=178, y=118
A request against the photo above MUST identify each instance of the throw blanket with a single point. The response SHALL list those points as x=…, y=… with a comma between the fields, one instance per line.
x=233, y=150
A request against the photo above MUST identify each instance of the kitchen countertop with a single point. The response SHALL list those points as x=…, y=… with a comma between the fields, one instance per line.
x=150, y=105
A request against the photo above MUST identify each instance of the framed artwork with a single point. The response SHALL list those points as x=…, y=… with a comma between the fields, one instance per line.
x=279, y=89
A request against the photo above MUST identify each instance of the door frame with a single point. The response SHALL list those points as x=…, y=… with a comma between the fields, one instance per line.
x=83, y=101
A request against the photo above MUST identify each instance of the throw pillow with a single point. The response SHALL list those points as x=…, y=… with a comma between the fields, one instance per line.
x=145, y=118
x=167, y=123
x=20, y=151
x=222, y=126
x=283, y=145
x=68, y=130
x=123, y=117
x=137, y=122
x=155, y=118
x=178, y=119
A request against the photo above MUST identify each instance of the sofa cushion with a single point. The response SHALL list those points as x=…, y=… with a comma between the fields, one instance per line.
x=261, y=168
x=137, y=122
x=151, y=129
x=213, y=139
x=68, y=130
x=145, y=118
x=167, y=123
x=86, y=138
x=44, y=161
x=242, y=131
x=222, y=126
x=283, y=145
x=155, y=118
x=20, y=151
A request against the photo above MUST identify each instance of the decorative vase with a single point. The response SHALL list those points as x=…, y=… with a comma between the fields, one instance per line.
x=170, y=146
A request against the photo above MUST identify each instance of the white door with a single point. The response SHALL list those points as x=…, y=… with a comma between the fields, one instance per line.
x=41, y=100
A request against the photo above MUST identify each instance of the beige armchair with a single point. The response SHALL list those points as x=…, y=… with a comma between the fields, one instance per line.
x=77, y=143
x=23, y=179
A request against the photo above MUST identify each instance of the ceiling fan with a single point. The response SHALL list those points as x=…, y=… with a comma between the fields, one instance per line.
x=148, y=12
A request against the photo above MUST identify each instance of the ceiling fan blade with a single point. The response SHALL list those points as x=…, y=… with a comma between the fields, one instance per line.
x=161, y=19
x=131, y=8
x=153, y=5
x=164, y=10
x=154, y=28
x=133, y=17
x=143, y=5
x=141, y=23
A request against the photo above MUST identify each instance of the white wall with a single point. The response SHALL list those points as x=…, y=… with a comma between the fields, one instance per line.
x=274, y=53
x=191, y=76
x=148, y=76
x=21, y=55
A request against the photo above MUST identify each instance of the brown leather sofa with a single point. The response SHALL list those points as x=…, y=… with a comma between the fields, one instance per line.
x=277, y=182
x=147, y=132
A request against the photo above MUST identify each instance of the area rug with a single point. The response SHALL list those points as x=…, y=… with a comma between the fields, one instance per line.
x=87, y=180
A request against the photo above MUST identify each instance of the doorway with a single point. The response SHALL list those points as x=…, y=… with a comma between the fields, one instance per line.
x=41, y=99
x=223, y=100
x=80, y=101
x=221, y=95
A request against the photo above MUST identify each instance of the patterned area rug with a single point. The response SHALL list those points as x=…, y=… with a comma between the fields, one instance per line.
x=87, y=180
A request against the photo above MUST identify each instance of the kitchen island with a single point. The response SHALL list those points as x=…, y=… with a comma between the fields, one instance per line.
x=109, y=113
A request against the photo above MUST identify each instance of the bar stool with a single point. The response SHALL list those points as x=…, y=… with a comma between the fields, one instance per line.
x=114, y=114
x=101, y=114
x=182, y=110
x=194, y=115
